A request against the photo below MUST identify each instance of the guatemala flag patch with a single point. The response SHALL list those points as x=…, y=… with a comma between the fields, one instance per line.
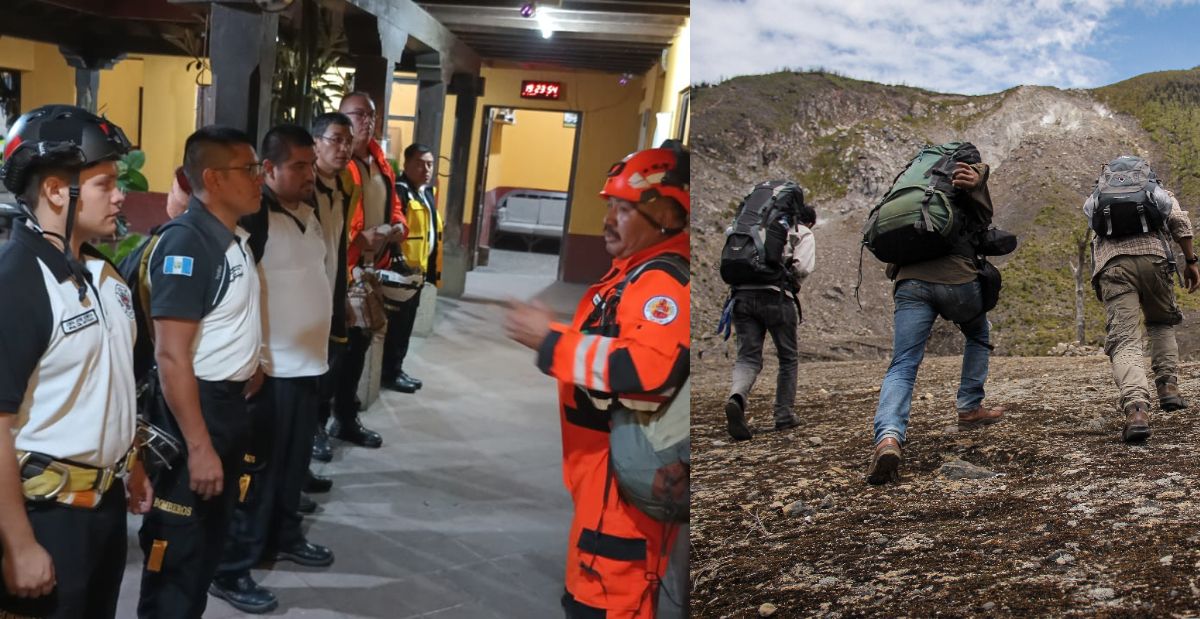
x=177, y=265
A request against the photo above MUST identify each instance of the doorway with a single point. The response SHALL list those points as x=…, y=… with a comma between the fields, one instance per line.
x=524, y=188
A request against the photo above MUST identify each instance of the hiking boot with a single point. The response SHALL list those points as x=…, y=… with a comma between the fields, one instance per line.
x=787, y=424
x=1168, y=393
x=979, y=416
x=885, y=462
x=1137, y=423
x=735, y=416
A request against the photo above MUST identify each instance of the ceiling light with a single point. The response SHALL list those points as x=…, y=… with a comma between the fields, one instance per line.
x=544, y=24
x=528, y=9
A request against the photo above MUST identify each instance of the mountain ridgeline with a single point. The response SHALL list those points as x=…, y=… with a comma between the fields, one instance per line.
x=844, y=141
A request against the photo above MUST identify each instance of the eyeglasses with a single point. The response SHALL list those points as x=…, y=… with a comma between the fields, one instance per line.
x=253, y=169
x=337, y=142
x=365, y=115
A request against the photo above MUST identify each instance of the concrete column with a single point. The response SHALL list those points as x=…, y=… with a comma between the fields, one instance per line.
x=87, y=65
x=456, y=256
x=243, y=63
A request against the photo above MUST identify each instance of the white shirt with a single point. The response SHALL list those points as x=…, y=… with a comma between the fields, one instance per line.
x=295, y=296
x=67, y=364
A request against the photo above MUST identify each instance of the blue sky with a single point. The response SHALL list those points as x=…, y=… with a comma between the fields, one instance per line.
x=963, y=46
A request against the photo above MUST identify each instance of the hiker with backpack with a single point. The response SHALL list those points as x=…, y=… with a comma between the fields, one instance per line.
x=769, y=251
x=67, y=402
x=622, y=367
x=928, y=229
x=1131, y=213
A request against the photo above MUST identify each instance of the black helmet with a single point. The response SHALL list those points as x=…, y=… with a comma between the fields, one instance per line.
x=59, y=135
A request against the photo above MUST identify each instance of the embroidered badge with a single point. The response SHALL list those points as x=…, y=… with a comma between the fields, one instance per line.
x=661, y=310
x=125, y=299
x=82, y=321
x=178, y=265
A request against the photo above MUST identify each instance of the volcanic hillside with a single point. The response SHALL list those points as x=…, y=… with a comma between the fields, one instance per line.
x=844, y=140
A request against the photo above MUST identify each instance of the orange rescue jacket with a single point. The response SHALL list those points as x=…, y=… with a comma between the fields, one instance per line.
x=616, y=553
x=393, y=207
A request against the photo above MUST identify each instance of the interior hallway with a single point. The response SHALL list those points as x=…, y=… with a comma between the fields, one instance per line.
x=462, y=512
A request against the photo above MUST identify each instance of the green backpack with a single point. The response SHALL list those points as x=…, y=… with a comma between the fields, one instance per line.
x=917, y=219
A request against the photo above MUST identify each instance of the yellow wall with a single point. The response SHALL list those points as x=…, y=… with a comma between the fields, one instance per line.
x=168, y=103
x=48, y=78
x=168, y=118
x=119, y=93
x=662, y=94
x=538, y=149
x=444, y=163
x=608, y=127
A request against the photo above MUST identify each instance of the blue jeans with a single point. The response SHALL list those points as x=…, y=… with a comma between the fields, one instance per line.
x=918, y=304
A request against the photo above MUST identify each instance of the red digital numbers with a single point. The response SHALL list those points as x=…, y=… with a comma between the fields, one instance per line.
x=540, y=90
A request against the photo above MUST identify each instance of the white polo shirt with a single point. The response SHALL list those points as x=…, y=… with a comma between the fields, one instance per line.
x=66, y=368
x=202, y=261
x=295, y=290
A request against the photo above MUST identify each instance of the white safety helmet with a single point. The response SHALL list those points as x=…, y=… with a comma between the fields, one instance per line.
x=399, y=287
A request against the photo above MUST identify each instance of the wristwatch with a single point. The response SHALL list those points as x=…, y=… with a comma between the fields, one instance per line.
x=1192, y=260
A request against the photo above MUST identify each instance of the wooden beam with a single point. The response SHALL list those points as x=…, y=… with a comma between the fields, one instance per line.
x=407, y=16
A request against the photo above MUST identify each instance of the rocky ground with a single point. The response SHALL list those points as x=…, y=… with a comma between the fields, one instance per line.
x=1044, y=514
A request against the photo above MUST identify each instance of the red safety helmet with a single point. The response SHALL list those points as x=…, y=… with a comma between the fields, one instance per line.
x=649, y=174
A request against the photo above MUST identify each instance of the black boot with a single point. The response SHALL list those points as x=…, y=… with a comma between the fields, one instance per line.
x=355, y=432
x=322, y=451
x=243, y=594
x=306, y=553
x=307, y=505
x=317, y=484
x=401, y=382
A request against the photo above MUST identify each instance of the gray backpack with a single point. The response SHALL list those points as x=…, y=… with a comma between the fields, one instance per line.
x=1123, y=201
x=651, y=457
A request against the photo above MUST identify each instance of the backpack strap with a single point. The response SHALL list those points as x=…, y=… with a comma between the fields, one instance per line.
x=674, y=264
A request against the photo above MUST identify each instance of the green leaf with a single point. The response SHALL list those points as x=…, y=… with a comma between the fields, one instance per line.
x=136, y=159
x=137, y=182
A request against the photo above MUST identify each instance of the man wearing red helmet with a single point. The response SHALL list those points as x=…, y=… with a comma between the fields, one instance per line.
x=627, y=347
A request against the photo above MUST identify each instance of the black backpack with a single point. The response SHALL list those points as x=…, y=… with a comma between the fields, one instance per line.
x=753, y=252
x=134, y=269
x=1123, y=201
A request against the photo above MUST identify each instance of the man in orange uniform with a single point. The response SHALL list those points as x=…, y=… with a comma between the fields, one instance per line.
x=374, y=223
x=628, y=346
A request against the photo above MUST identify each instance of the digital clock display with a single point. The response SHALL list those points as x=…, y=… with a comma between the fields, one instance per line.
x=531, y=89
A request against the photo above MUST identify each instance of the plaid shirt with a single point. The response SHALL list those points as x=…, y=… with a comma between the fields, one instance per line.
x=1152, y=244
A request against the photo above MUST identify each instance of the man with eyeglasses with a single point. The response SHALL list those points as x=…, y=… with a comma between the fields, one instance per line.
x=335, y=195
x=204, y=301
x=376, y=221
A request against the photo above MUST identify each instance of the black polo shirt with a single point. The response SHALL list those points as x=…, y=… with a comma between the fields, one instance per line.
x=199, y=264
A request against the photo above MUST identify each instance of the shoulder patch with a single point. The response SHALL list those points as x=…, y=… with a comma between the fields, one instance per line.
x=178, y=265
x=125, y=298
x=661, y=310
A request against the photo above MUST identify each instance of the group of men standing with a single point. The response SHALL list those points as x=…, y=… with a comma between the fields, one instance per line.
x=245, y=298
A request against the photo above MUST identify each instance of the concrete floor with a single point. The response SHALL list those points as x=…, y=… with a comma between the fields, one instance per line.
x=462, y=513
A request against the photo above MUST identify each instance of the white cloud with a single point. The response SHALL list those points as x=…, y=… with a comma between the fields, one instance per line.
x=958, y=46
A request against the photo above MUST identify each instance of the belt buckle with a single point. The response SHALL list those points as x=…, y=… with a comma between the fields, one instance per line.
x=64, y=474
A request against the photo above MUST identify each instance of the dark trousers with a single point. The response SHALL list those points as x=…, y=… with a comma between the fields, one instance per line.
x=401, y=317
x=87, y=547
x=757, y=313
x=183, y=536
x=276, y=467
x=347, y=376
x=327, y=384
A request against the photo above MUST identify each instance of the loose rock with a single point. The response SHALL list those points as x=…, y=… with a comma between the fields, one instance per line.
x=766, y=610
x=961, y=469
